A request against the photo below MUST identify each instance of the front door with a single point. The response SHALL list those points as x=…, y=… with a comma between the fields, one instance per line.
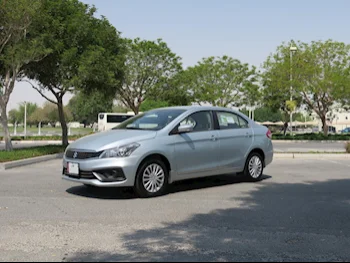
x=197, y=152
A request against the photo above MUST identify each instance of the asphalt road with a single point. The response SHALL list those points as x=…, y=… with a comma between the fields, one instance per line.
x=279, y=146
x=299, y=212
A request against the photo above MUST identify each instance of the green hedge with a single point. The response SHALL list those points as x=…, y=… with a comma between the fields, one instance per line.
x=312, y=137
x=20, y=154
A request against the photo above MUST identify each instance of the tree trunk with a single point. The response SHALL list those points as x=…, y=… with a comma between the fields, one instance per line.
x=285, y=128
x=63, y=123
x=325, y=126
x=7, y=135
x=136, y=109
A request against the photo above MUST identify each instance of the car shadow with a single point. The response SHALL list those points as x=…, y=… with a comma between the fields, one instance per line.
x=177, y=187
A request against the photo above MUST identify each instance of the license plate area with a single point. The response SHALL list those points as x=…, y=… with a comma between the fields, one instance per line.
x=73, y=169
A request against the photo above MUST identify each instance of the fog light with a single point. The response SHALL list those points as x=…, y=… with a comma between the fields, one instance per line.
x=111, y=175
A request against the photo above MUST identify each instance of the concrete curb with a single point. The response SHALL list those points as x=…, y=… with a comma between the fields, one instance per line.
x=311, y=156
x=15, y=164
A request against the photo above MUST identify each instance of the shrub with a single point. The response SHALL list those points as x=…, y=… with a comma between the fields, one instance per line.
x=312, y=137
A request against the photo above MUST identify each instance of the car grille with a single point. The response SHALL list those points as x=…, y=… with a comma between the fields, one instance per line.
x=82, y=175
x=82, y=155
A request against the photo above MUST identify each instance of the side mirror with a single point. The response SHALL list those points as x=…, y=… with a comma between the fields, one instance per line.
x=185, y=128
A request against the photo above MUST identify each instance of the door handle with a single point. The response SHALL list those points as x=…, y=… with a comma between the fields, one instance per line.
x=213, y=138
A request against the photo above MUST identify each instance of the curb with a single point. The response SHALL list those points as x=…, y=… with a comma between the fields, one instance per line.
x=15, y=164
x=311, y=156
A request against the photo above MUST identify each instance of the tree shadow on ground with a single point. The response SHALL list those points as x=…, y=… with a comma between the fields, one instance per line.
x=274, y=222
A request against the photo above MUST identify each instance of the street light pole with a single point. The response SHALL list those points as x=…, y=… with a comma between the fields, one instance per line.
x=292, y=49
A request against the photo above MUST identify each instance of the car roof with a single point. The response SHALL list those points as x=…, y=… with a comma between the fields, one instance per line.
x=197, y=108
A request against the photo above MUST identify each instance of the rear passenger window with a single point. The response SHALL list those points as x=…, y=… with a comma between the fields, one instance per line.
x=229, y=121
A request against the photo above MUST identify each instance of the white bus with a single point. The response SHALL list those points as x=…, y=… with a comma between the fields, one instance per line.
x=107, y=121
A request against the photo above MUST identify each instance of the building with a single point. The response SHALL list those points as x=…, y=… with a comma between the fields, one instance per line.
x=339, y=118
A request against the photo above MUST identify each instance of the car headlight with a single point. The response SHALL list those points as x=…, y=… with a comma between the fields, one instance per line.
x=122, y=151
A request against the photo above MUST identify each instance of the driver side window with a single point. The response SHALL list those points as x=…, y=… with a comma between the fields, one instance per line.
x=200, y=121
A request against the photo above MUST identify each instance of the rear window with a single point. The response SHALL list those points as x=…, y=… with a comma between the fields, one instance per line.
x=117, y=118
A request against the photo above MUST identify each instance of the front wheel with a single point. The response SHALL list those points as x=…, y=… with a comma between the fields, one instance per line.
x=152, y=179
x=254, y=167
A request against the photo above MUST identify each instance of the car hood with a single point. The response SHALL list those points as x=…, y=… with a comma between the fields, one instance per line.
x=111, y=139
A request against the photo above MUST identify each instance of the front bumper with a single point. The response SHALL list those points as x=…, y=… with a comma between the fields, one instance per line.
x=91, y=171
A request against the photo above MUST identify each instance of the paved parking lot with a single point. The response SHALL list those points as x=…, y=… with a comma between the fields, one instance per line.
x=300, y=211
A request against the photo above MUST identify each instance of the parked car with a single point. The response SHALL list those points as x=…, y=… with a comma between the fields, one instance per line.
x=346, y=130
x=156, y=148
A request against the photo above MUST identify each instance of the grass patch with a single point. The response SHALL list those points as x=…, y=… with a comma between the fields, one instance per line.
x=43, y=138
x=48, y=130
x=21, y=154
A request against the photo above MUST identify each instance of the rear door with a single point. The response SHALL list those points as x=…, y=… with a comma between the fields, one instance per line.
x=236, y=138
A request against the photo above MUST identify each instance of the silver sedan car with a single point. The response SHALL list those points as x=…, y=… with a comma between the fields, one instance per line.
x=156, y=148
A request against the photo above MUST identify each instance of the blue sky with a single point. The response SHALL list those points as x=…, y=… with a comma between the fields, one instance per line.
x=248, y=30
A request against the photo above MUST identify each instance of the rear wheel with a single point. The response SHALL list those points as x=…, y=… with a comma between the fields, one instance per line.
x=254, y=167
x=152, y=179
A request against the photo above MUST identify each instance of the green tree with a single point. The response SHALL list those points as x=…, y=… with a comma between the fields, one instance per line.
x=118, y=108
x=18, y=47
x=40, y=116
x=14, y=116
x=264, y=114
x=148, y=68
x=323, y=76
x=17, y=115
x=320, y=72
x=49, y=114
x=86, y=107
x=153, y=104
x=276, y=80
x=31, y=107
x=222, y=81
x=77, y=39
x=175, y=92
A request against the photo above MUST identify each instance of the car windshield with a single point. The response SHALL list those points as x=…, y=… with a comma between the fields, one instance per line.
x=153, y=120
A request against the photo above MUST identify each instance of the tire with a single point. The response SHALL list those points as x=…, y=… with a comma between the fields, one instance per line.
x=152, y=179
x=254, y=167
